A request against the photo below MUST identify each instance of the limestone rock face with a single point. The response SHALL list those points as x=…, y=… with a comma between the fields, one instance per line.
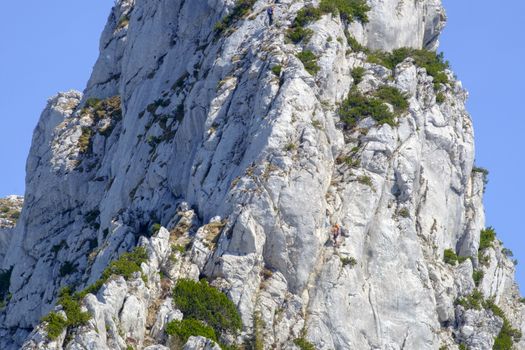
x=10, y=208
x=224, y=155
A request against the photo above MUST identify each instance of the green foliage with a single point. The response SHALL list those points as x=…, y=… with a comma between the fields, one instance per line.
x=155, y=228
x=304, y=344
x=357, y=74
x=92, y=102
x=404, y=213
x=258, y=336
x=189, y=327
x=450, y=257
x=309, y=60
x=365, y=180
x=5, y=283
x=393, y=96
x=84, y=141
x=354, y=44
x=127, y=264
x=486, y=238
x=472, y=301
x=55, y=325
x=358, y=106
x=75, y=317
x=241, y=9
x=200, y=301
x=485, y=174
x=507, y=335
x=477, y=276
x=440, y=97
x=349, y=10
x=305, y=16
x=434, y=64
x=276, y=70
x=348, y=261
x=178, y=248
x=462, y=347
x=71, y=306
x=298, y=34
x=507, y=252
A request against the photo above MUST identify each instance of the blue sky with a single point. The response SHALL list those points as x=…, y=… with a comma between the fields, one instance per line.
x=54, y=45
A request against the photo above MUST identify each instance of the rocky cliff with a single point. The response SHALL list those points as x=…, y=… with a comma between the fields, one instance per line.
x=317, y=169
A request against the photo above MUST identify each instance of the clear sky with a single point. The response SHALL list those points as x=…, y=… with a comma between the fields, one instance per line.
x=54, y=44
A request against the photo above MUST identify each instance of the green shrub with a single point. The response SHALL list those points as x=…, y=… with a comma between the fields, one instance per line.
x=93, y=102
x=472, y=301
x=357, y=74
x=304, y=344
x=462, y=347
x=440, y=97
x=393, y=96
x=450, y=257
x=55, y=325
x=486, y=238
x=358, y=106
x=348, y=261
x=84, y=141
x=306, y=15
x=127, y=264
x=200, y=301
x=155, y=228
x=309, y=60
x=241, y=9
x=507, y=335
x=75, y=317
x=349, y=10
x=477, y=276
x=354, y=44
x=365, y=180
x=276, y=70
x=298, y=34
x=404, y=213
x=434, y=64
x=190, y=327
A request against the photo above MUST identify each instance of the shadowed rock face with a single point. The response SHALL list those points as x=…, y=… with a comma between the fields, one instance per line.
x=239, y=153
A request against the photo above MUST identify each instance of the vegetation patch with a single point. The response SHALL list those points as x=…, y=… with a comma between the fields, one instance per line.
x=348, y=261
x=450, y=257
x=435, y=64
x=357, y=106
x=486, y=238
x=507, y=335
x=309, y=60
x=127, y=265
x=276, y=70
x=189, y=327
x=477, y=276
x=357, y=74
x=297, y=32
x=200, y=301
x=241, y=9
x=349, y=10
x=56, y=324
x=304, y=344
